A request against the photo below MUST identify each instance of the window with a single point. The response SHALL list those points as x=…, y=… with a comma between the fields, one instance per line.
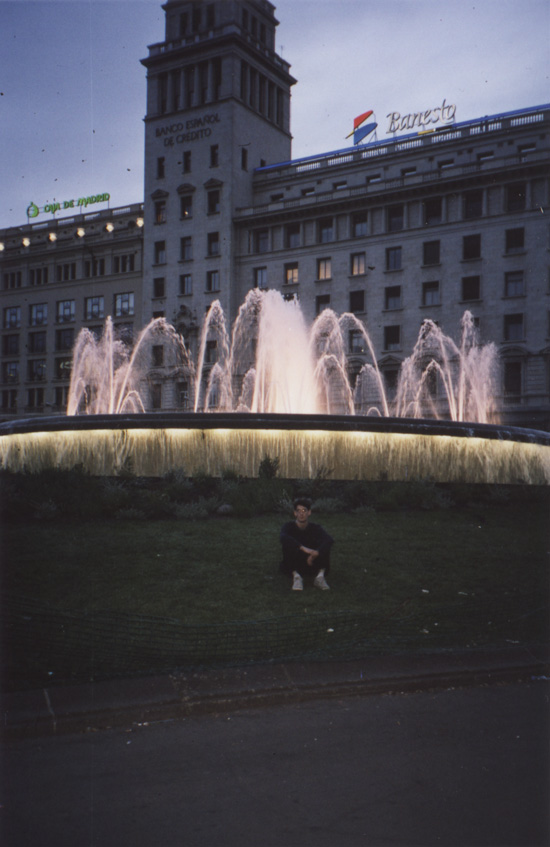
x=393, y=258
x=212, y=280
x=36, y=370
x=392, y=337
x=38, y=314
x=292, y=235
x=471, y=288
x=161, y=169
x=66, y=272
x=62, y=368
x=94, y=267
x=157, y=356
x=160, y=212
x=261, y=241
x=182, y=395
x=65, y=311
x=124, y=304
x=430, y=294
x=471, y=247
x=391, y=379
x=214, y=202
x=430, y=253
x=159, y=286
x=35, y=398
x=357, y=301
x=160, y=252
x=10, y=345
x=324, y=269
x=244, y=158
x=186, y=206
x=9, y=400
x=38, y=276
x=291, y=273
x=359, y=224
x=374, y=178
x=214, y=155
x=213, y=243
x=445, y=163
x=512, y=380
x=513, y=327
x=325, y=230
x=156, y=396
x=473, y=204
x=358, y=264
x=186, y=284
x=37, y=342
x=357, y=343
x=433, y=211
x=12, y=317
x=392, y=297
x=515, y=240
x=10, y=372
x=94, y=308
x=515, y=197
x=322, y=302
x=12, y=279
x=396, y=217
x=64, y=339
x=187, y=162
x=124, y=264
x=211, y=352
x=186, y=249
x=514, y=285
x=260, y=277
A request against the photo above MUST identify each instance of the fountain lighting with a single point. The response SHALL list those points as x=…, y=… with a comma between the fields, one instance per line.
x=367, y=448
x=283, y=390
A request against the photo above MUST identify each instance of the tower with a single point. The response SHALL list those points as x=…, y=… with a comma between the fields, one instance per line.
x=218, y=106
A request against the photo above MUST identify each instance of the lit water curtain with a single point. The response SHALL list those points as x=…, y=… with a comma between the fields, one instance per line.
x=110, y=377
x=285, y=371
x=466, y=375
x=370, y=389
x=213, y=350
x=328, y=350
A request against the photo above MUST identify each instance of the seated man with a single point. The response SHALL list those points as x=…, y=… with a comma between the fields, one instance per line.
x=306, y=548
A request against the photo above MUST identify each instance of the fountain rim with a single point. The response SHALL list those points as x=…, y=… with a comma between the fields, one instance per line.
x=275, y=421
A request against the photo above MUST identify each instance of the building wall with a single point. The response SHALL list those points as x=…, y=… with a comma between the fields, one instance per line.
x=58, y=277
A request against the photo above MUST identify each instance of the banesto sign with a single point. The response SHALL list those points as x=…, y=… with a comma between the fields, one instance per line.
x=444, y=114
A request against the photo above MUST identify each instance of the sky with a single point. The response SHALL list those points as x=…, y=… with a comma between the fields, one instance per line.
x=72, y=89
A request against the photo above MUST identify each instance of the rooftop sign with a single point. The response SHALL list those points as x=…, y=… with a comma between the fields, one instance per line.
x=33, y=210
x=444, y=114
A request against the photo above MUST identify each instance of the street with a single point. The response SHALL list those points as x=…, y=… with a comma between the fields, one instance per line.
x=462, y=767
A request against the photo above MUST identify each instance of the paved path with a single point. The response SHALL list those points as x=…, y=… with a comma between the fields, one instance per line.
x=462, y=766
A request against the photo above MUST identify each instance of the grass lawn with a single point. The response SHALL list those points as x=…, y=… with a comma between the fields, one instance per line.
x=421, y=579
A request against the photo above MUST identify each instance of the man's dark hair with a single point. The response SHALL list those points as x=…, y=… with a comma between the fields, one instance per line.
x=302, y=501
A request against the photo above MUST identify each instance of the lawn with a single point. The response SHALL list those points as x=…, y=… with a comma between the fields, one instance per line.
x=93, y=598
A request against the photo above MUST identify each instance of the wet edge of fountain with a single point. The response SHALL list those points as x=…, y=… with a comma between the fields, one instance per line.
x=273, y=421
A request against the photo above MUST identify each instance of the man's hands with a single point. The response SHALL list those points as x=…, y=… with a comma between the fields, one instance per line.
x=311, y=554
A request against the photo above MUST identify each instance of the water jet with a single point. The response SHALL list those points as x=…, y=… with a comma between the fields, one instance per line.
x=282, y=390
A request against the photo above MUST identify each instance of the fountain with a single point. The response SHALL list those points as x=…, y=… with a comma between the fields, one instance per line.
x=275, y=388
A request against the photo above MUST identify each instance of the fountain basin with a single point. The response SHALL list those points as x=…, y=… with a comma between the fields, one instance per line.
x=342, y=447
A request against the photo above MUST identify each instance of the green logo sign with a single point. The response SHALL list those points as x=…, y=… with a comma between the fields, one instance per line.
x=33, y=210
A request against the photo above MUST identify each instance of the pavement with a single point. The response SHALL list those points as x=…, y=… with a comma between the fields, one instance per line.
x=106, y=704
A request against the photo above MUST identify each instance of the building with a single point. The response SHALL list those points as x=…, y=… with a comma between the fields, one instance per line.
x=419, y=225
x=58, y=277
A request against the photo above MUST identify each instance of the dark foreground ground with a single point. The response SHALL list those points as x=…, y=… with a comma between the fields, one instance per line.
x=464, y=766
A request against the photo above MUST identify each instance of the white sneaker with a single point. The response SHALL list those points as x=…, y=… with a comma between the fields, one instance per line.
x=320, y=582
x=298, y=583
